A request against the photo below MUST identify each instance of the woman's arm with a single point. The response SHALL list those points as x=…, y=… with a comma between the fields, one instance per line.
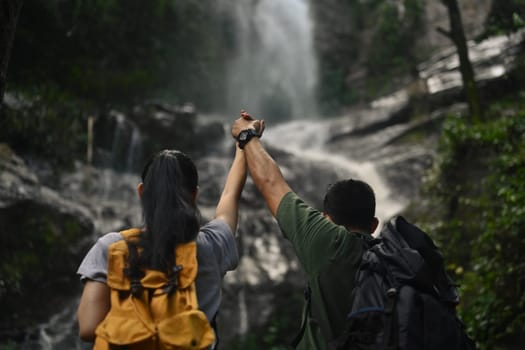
x=94, y=305
x=228, y=206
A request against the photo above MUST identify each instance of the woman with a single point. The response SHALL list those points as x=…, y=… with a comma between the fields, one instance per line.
x=168, y=194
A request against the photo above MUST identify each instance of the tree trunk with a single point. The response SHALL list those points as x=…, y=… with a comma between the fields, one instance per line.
x=9, y=12
x=457, y=35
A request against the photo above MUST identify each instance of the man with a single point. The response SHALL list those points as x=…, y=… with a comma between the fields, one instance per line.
x=329, y=245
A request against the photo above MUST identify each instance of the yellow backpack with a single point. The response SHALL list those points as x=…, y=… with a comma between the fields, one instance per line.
x=155, y=319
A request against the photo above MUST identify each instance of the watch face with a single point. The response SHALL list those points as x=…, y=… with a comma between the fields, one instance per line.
x=243, y=135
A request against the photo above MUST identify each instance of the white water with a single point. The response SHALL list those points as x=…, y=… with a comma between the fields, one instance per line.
x=275, y=69
x=306, y=140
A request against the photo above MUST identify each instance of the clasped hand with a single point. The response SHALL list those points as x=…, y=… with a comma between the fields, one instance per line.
x=246, y=121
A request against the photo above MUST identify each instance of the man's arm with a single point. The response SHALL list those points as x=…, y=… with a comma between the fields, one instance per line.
x=228, y=206
x=264, y=170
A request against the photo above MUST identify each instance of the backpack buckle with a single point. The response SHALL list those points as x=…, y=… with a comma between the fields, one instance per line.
x=173, y=280
x=392, y=292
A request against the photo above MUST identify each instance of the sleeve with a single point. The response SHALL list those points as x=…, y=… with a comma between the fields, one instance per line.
x=95, y=264
x=316, y=239
x=219, y=236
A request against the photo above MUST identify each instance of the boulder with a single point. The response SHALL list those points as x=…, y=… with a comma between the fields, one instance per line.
x=124, y=141
x=42, y=236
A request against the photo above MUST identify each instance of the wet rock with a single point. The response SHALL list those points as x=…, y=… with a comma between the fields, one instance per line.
x=42, y=235
x=494, y=60
x=125, y=141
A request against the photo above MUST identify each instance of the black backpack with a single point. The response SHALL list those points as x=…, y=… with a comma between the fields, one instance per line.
x=403, y=297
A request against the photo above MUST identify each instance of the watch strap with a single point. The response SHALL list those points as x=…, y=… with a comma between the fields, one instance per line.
x=245, y=136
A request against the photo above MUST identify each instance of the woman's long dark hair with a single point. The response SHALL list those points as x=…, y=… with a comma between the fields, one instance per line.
x=170, y=181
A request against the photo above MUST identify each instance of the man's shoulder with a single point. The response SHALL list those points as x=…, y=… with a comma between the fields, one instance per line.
x=290, y=201
x=289, y=196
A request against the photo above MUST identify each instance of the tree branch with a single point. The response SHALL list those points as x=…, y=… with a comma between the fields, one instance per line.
x=445, y=32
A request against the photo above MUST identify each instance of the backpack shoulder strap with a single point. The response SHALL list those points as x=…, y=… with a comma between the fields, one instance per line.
x=420, y=241
x=118, y=254
x=186, y=256
x=304, y=318
x=371, y=269
x=131, y=234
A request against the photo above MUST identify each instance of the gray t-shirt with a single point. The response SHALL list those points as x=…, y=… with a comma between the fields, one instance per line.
x=216, y=254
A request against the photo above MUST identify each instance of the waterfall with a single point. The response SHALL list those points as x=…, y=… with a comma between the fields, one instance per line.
x=134, y=155
x=274, y=76
x=126, y=149
x=274, y=72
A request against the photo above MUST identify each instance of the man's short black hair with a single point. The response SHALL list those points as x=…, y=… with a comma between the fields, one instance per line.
x=351, y=203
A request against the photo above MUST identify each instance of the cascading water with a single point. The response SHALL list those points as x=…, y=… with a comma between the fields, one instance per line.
x=274, y=72
x=307, y=140
x=134, y=150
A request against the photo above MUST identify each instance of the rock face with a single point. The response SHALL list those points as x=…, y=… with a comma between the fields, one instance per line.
x=124, y=141
x=347, y=36
x=41, y=236
x=494, y=60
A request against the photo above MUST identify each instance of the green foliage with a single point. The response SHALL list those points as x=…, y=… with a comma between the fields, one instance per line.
x=10, y=345
x=392, y=51
x=341, y=26
x=380, y=36
x=46, y=124
x=505, y=16
x=120, y=51
x=334, y=91
x=88, y=57
x=394, y=36
x=480, y=184
x=39, y=259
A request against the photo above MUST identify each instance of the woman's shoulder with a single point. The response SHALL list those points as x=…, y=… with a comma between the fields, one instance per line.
x=109, y=238
x=216, y=242
x=215, y=225
x=215, y=232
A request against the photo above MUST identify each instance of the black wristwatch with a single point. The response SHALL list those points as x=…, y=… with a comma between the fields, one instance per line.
x=245, y=136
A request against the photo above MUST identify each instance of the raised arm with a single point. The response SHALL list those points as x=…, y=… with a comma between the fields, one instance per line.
x=228, y=206
x=264, y=170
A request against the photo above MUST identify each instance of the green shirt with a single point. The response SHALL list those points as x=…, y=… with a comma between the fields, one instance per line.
x=330, y=256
